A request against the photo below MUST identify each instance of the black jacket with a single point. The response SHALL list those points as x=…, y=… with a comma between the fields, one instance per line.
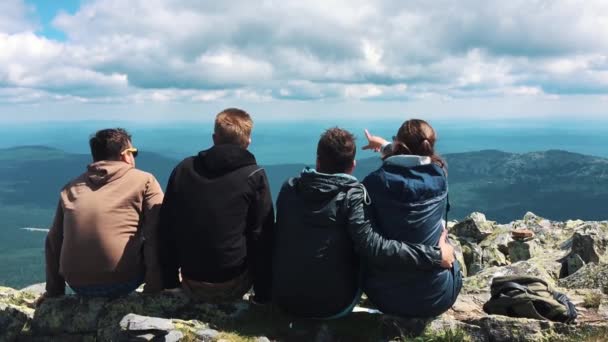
x=321, y=232
x=216, y=220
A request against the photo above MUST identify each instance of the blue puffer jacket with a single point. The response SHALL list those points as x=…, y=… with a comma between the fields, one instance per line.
x=409, y=199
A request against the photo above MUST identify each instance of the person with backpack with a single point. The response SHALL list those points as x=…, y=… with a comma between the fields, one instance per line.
x=321, y=234
x=409, y=202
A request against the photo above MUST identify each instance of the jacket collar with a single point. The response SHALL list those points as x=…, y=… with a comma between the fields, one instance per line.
x=405, y=160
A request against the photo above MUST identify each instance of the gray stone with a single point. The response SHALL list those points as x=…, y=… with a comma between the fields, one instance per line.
x=173, y=336
x=37, y=289
x=68, y=315
x=12, y=321
x=135, y=322
x=459, y=255
x=475, y=227
x=574, y=262
x=507, y=329
x=207, y=335
x=523, y=250
x=590, y=276
x=472, y=255
x=262, y=339
x=491, y=256
x=590, y=244
x=500, y=239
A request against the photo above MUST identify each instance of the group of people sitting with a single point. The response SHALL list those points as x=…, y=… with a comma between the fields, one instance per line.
x=214, y=233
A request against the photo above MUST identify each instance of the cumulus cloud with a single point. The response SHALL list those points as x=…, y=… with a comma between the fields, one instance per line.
x=187, y=50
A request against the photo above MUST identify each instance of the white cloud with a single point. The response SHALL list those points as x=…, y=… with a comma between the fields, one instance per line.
x=14, y=16
x=166, y=51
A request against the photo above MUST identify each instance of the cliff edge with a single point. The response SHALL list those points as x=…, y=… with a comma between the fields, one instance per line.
x=572, y=256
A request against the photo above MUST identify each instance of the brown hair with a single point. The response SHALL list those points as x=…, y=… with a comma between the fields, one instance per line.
x=108, y=144
x=233, y=126
x=417, y=137
x=336, y=151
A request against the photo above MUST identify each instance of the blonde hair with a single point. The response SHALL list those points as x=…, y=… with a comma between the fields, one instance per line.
x=233, y=126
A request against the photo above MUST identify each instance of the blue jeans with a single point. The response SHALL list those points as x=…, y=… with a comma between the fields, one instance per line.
x=108, y=291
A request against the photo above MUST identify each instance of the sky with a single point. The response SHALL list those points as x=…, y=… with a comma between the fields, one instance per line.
x=187, y=59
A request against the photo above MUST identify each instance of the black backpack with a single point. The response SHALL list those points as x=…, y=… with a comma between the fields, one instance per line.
x=530, y=297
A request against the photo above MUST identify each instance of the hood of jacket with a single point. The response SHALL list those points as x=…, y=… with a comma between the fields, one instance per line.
x=105, y=171
x=316, y=186
x=222, y=159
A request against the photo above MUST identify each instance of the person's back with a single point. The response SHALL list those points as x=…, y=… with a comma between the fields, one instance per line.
x=217, y=218
x=409, y=203
x=104, y=219
x=321, y=233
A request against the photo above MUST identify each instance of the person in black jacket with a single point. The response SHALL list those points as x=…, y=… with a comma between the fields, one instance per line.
x=321, y=232
x=217, y=218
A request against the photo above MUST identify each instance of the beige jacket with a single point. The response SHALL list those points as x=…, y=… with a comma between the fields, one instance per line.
x=104, y=231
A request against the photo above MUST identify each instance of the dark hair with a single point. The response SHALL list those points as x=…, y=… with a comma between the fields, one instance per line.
x=107, y=144
x=417, y=137
x=336, y=150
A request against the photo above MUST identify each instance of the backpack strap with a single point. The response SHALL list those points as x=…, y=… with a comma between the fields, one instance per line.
x=508, y=286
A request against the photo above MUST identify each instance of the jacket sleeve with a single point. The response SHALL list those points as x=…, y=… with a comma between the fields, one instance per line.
x=167, y=244
x=55, y=283
x=153, y=198
x=260, y=227
x=377, y=250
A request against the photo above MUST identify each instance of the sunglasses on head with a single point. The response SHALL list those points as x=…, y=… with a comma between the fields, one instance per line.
x=131, y=150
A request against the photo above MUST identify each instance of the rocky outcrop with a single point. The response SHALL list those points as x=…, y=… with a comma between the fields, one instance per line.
x=571, y=256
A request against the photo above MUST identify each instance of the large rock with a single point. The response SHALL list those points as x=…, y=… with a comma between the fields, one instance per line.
x=590, y=243
x=523, y=250
x=472, y=254
x=590, y=276
x=474, y=227
x=492, y=256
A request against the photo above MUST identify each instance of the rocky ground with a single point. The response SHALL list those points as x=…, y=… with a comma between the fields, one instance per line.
x=570, y=255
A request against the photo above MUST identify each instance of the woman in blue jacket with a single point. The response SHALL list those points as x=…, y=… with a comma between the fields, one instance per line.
x=409, y=204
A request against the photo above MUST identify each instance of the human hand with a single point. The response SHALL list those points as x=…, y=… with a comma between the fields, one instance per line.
x=447, y=251
x=374, y=142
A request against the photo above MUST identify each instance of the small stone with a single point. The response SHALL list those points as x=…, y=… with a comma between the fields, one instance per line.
x=262, y=339
x=474, y=227
x=207, y=335
x=522, y=250
x=522, y=234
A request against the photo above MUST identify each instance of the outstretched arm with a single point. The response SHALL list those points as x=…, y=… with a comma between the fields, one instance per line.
x=377, y=250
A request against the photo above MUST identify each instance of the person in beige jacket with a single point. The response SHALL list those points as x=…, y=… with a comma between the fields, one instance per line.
x=103, y=238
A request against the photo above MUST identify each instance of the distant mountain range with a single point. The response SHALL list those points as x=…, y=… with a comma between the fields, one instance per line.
x=555, y=184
